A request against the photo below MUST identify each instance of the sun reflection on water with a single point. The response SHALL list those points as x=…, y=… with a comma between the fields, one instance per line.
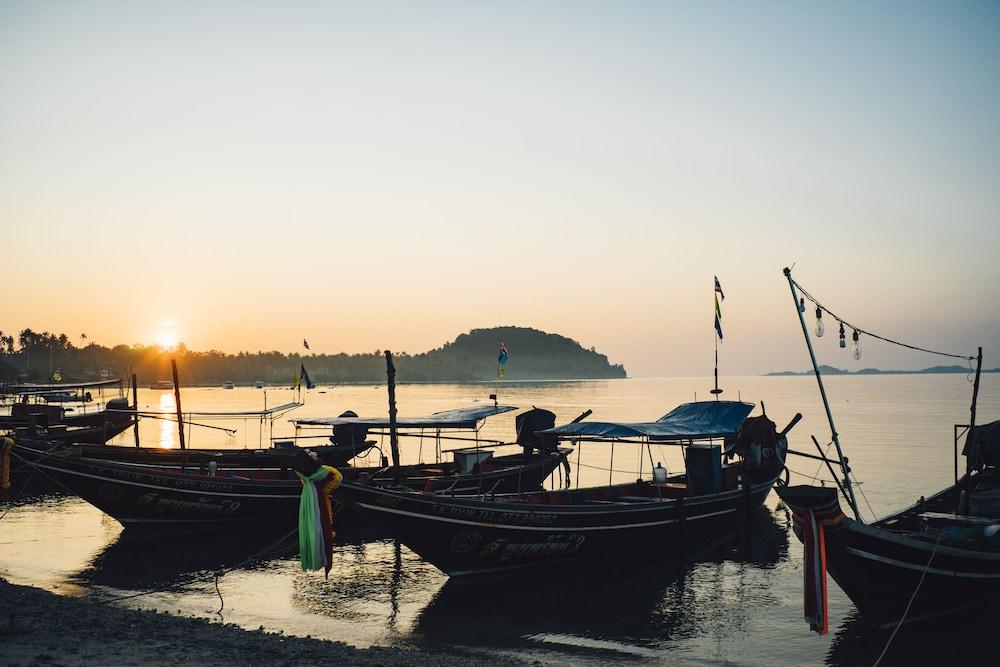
x=168, y=428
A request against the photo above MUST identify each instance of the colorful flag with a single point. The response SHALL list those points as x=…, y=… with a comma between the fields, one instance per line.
x=502, y=359
x=718, y=288
x=304, y=377
x=305, y=343
x=718, y=326
x=718, y=310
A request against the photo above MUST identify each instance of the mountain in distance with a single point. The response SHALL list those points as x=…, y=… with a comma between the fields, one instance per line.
x=933, y=370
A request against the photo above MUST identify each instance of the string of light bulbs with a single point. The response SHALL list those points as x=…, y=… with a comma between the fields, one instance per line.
x=856, y=330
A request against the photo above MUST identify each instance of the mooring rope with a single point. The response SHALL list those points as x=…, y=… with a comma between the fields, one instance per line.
x=913, y=597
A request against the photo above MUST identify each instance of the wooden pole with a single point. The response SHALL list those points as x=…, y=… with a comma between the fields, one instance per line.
x=970, y=440
x=390, y=371
x=848, y=489
x=135, y=408
x=177, y=402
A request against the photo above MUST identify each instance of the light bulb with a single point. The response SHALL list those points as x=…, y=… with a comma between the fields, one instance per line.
x=802, y=305
x=856, y=346
x=820, y=328
x=843, y=340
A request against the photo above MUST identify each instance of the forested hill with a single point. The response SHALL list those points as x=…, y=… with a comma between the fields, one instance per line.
x=534, y=355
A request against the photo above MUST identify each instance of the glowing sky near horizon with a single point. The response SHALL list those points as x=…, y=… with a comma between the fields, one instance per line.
x=388, y=175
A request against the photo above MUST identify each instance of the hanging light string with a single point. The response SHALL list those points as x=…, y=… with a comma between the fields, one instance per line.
x=859, y=330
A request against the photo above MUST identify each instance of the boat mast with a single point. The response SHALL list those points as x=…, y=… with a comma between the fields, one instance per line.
x=848, y=490
x=970, y=438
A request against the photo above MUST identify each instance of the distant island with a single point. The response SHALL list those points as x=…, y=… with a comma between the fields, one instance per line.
x=471, y=357
x=933, y=370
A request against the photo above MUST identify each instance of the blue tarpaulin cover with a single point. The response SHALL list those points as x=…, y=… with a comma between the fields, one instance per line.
x=690, y=421
x=462, y=418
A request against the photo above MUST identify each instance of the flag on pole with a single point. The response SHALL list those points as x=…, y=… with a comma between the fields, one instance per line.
x=304, y=377
x=718, y=310
x=305, y=343
x=502, y=359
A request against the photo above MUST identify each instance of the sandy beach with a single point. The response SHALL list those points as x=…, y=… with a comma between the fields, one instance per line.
x=41, y=628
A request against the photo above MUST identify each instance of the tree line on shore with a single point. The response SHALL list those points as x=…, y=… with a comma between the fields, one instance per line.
x=534, y=355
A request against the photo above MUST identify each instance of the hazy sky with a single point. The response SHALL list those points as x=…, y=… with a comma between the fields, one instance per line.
x=373, y=175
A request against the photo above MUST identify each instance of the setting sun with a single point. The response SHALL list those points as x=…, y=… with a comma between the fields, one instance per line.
x=166, y=335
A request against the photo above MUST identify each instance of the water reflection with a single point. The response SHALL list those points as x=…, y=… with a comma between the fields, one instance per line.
x=634, y=607
x=168, y=428
x=963, y=642
x=147, y=560
x=377, y=582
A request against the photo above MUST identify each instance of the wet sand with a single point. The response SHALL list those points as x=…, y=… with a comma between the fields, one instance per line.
x=41, y=628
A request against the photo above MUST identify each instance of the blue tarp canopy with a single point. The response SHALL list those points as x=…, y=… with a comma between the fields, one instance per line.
x=462, y=418
x=690, y=421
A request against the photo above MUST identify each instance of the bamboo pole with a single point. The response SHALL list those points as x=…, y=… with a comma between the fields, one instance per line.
x=970, y=439
x=390, y=372
x=135, y=408
x=177, y=402
x=848, y=490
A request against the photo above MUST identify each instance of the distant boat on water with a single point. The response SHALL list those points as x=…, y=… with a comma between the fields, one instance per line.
x=228, y=384
x=258, y=385
x=162, y=384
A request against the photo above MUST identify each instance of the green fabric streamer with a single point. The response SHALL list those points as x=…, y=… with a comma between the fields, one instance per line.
x=310, y=532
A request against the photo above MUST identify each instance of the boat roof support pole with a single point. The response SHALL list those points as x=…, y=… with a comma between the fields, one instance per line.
x=847, y=488
x=390, y=372
x=177, y=402
x=135, y=409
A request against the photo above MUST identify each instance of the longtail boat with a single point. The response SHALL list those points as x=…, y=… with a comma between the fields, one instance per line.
x=493, y=533
x=40, y=411
x=939, y=557
x=211, y=491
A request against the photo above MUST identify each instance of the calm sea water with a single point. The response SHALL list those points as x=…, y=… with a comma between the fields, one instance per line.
x=735, y=600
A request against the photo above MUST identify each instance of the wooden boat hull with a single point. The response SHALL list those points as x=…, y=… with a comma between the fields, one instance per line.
x=463, y=536
x=335, y=455
x=880, y=568
x=135, y=493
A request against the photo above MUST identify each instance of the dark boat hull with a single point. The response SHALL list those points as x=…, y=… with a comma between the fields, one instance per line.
x=881, y=569
x=135, y=495
x=335, y=455
x=468, y=536
x=147, y=494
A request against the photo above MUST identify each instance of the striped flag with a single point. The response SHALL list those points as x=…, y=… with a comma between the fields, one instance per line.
x=305, y=343
x=718, y=310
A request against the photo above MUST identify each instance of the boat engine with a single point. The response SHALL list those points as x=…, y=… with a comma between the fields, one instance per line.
x=528, y=424
x=349, y=434
x=758, y=443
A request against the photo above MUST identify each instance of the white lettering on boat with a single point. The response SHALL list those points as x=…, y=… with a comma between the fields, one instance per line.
x=501, y=550
x=202, y=505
